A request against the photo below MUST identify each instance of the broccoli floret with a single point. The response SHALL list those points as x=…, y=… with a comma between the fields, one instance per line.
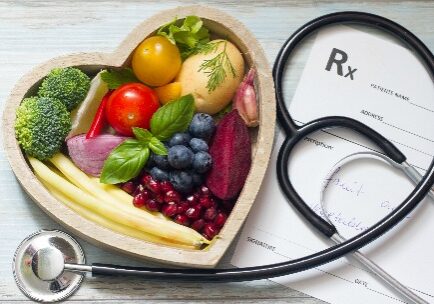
x=41, y=126
x=69, y=85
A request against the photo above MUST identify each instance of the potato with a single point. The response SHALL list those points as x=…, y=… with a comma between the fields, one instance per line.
x=194, y=81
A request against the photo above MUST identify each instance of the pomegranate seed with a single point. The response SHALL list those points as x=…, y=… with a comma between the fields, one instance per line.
x=207, y=202
x=128, y=187
x=182, y=207
x=153, y=186
x=172, y=196
x=139, y=200
x=192, y=200
x=193, y=212
x=170, y=210
x=210, y=231
x=204, y=191
x=139, y=189
x=220, y=219
x=166, y=186
x=198, y=224
x=146, y=179
x=147, y=194
x=159, y=198
x=182, y=219
x=210, y=214
x=152, y=205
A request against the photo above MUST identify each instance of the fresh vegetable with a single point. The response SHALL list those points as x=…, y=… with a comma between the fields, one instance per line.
x=188, y=36
x=89, y=154
x=41, y=126
x=99, y=120
x=82, y=117
x=83, y=191
x=156, y=61
x=69, y=85
x=131, y=105
x=116, y=78
x=245, y=100
x=231, y=154
x=107, y=223
x=168, y=92
x=212, y=76
x=128, y=159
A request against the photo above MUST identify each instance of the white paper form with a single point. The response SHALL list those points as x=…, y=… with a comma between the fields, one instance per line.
x=387, y=89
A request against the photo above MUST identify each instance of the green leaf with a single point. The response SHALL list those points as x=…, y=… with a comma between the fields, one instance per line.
x=142, y=135
x=186, y=36
x=124, y=162
x=157, y=146
x=173, y=117
x=116, y=78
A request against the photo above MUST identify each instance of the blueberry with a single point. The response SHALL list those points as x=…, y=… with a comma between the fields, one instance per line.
x=179, y=139
x=161, y=161
x=180, y=157
x=202, y=126
x=202, y=162
x=197, y=144
x=197, y=179
x=158, y=174
x=182, y=181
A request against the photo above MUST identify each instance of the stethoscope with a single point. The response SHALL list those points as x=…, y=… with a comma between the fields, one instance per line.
x=49, y=265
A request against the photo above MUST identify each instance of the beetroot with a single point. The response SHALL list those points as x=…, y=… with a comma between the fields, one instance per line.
x=231, y=154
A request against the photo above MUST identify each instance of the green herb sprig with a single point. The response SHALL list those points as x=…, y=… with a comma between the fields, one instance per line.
x=188, y=36
x=128, y=159
x=216, y=68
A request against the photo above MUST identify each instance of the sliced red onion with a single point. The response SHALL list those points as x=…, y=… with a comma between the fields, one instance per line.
x=245, y=100
x=89, y=154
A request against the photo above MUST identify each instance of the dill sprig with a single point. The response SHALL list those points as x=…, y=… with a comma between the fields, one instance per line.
x=216, y=68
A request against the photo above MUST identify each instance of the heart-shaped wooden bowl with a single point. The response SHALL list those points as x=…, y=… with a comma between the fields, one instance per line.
x=220, y=24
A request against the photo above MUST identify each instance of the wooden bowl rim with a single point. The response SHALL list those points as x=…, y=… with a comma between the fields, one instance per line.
x=106, y=238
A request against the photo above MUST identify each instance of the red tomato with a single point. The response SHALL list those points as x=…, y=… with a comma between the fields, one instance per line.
x=131, y=105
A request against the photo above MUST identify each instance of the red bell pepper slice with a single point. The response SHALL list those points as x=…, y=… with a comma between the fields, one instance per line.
x=99, y=121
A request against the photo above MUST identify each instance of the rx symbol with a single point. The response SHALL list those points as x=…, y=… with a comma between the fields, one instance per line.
x=339, y=57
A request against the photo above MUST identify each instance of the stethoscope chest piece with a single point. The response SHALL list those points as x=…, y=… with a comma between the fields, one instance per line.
x=39, y=262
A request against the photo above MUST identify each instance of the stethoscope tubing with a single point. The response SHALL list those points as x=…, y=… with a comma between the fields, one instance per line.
x=296, y=133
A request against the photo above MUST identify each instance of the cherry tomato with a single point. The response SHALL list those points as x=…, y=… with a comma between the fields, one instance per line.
x=131, y=105
x=156, y=61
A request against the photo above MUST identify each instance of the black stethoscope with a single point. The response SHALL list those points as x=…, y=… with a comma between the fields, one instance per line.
x=294, y=134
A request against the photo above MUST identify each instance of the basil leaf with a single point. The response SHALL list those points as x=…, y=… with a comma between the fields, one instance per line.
x=124, y=162
x=116, y=78
x=173, y=117
x=142, y=135
x=157, y=146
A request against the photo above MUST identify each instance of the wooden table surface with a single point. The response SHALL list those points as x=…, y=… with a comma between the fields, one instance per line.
x=34, y=31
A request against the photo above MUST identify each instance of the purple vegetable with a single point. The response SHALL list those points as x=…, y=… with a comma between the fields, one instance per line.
x=89, y=154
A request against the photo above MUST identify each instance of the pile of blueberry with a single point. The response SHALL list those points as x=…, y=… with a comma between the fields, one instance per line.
x=188, y=158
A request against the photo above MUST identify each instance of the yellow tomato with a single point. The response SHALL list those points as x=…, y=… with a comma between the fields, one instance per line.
x=156, y=61
x=168, y=92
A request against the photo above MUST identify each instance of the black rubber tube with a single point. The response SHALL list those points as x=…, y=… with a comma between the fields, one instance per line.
x=329, y=254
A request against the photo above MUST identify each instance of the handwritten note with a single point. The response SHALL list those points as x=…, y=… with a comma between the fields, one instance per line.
x=394, y=99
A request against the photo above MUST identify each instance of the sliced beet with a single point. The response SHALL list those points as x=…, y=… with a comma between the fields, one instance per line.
x=231, y=153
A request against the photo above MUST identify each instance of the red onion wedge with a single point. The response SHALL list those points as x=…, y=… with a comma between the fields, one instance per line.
x=245, y=100
x=89, y=154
